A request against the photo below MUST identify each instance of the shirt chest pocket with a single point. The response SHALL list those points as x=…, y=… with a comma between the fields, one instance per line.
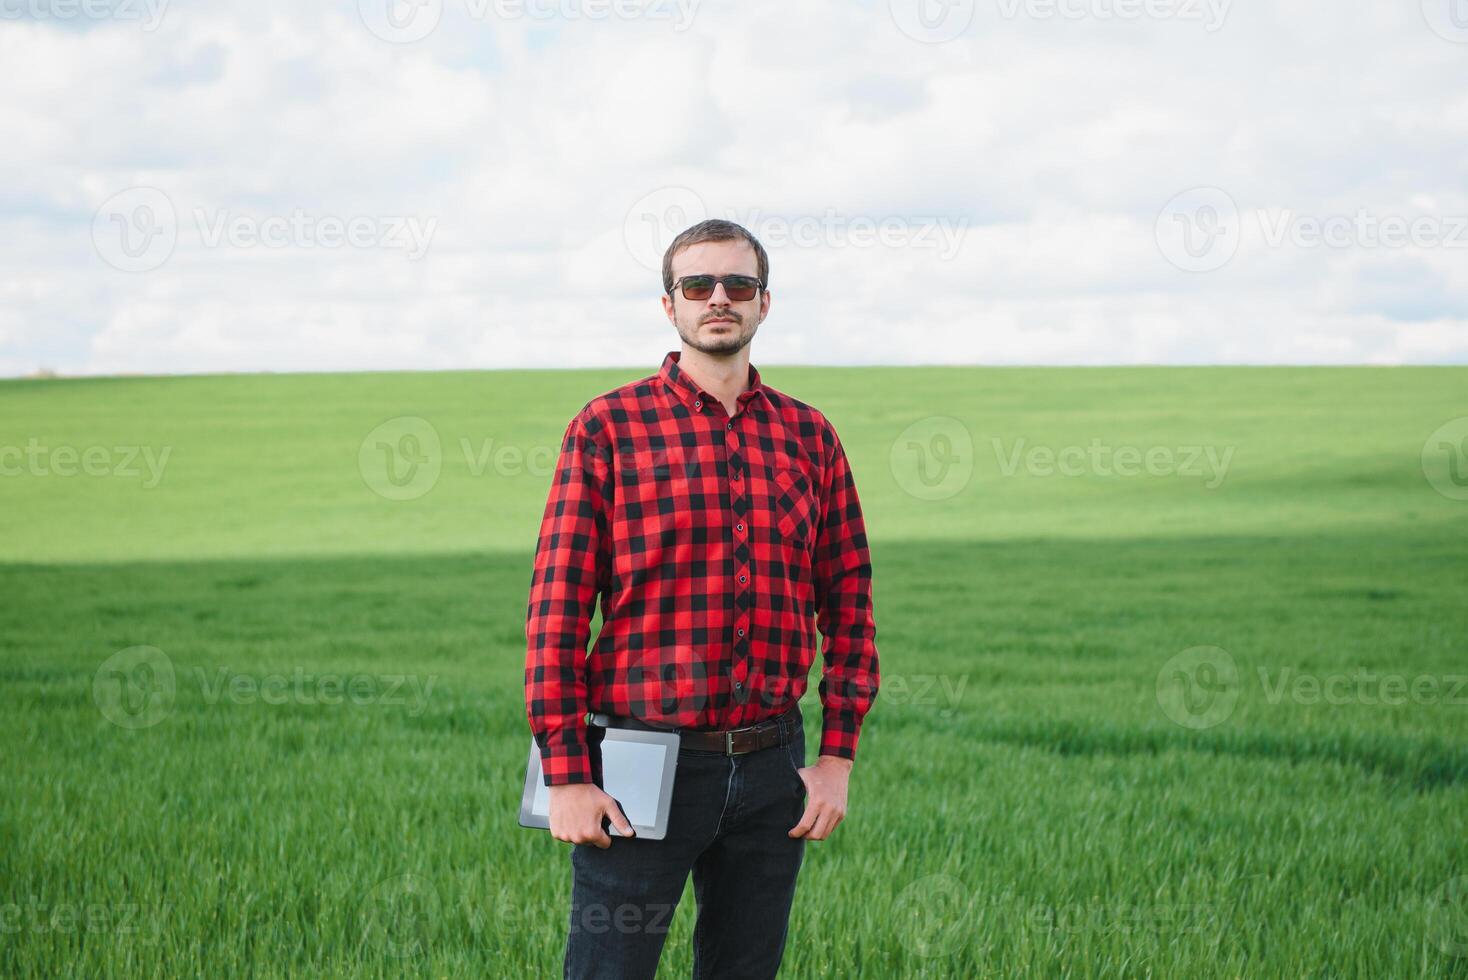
x=663, y=489
x=793, y=506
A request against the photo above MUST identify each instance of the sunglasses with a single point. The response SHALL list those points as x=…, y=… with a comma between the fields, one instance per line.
x=739, y=289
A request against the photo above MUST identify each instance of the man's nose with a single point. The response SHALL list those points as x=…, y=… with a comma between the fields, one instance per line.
x=719, y=297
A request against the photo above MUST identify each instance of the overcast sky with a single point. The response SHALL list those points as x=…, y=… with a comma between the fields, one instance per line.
x=197, y=186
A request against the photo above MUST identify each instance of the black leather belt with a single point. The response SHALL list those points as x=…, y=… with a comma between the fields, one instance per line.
x=730, y=741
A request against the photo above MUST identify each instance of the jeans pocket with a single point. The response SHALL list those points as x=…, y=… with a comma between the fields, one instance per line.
x=795, y=756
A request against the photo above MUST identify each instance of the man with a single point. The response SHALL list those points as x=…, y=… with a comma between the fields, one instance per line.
x=717, y=518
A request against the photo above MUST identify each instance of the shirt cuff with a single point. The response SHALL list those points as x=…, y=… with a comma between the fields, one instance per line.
x=564, y=758
x=839, y=733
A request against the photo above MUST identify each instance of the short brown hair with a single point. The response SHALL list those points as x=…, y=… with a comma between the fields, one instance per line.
x=714, y=230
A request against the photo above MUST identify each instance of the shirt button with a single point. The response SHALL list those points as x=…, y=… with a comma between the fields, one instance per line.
x=698, y=404
x=738, y=527
x=742, y=578
x=740, y=631
x=728, y=425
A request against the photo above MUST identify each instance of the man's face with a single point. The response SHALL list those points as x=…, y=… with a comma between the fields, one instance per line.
x=716, y=325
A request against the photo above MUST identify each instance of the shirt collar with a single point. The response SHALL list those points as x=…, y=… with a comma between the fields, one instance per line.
x=690, y=393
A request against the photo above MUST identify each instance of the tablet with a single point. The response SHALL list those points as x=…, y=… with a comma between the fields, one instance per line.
x=635, y=768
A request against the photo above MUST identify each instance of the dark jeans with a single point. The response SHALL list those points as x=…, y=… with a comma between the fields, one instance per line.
x=729, y=825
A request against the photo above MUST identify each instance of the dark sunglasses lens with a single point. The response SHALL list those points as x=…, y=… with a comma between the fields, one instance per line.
x=741, y=289
x=698, y=287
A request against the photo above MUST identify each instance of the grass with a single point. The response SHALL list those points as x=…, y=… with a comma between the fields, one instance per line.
x=332, y=787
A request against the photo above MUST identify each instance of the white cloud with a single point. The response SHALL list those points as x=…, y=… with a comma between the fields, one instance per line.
x=1048, y=144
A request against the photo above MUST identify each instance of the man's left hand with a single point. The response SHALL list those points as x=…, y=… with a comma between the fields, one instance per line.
x=825, y=797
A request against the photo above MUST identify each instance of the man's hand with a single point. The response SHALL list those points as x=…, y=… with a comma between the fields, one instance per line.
x=825, y=797
x=576, y=811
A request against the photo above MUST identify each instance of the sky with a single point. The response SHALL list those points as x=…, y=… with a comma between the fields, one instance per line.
x=200, y=186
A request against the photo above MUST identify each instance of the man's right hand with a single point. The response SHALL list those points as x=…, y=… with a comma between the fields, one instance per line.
x=576, y=812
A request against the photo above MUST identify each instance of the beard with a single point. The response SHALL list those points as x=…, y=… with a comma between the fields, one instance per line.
x=729, y=342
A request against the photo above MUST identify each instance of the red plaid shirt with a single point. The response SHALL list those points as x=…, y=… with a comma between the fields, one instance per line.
x=718, y=545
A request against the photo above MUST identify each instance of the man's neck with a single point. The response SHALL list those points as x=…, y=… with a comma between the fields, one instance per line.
x=726, y=378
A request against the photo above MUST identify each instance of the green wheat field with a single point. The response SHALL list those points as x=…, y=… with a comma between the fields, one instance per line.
x=1173, y=676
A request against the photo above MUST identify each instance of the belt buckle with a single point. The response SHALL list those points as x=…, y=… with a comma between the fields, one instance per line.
x=729, y=742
